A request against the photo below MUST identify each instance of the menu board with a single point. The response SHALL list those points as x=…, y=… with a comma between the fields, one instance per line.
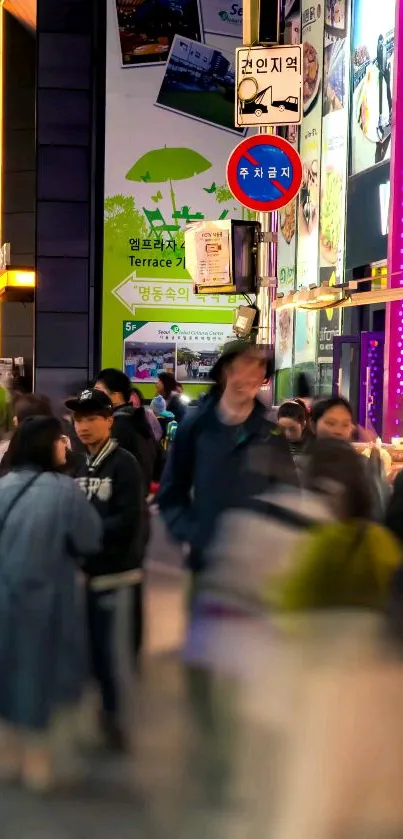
x=334, y=164
x=287, y=229
x=373, y=44
x=310, y=151
x=334, y=137
x=305, y=336
x=329, y=324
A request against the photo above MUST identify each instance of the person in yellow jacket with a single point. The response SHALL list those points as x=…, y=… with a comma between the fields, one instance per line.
x=347, y=562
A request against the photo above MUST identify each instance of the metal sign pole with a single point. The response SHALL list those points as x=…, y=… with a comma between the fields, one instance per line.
x=267, y=270
x=267, y=245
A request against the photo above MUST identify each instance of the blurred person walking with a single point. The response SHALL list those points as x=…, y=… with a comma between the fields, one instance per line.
x=46, y=529
x=223, y=454
x=112, y=481
x=347, y=563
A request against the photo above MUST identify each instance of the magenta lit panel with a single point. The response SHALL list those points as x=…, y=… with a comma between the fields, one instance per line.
x=393, y=379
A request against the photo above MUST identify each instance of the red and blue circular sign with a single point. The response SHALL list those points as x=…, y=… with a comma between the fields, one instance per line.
x=264, y=173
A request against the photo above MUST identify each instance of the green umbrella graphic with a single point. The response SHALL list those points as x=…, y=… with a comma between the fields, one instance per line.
x=168, y=165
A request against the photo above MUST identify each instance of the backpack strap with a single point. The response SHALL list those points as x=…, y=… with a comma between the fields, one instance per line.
x=282, y=514
x=21, y=492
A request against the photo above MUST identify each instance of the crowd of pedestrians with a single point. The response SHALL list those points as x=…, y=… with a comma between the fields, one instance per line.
x=276, y=513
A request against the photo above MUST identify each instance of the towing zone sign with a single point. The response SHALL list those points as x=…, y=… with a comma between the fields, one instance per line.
x=268, y=86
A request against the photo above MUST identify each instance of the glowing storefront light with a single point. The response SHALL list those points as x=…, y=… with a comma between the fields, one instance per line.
x=393, y=381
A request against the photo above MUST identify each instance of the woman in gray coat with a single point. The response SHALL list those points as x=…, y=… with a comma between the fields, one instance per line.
x=46, y=527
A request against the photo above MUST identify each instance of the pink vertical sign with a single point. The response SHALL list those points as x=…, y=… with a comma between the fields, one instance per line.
x=393, y=379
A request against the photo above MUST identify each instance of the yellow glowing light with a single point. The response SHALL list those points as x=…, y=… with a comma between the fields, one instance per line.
x=17, y=279
x=24, y=279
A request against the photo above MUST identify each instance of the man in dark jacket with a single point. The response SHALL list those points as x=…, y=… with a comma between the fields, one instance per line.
x=132, y=431
x=111, y=479
x=131, y=428
x=224, y=454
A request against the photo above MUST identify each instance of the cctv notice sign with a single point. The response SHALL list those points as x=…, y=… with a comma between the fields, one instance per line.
x=268, y=86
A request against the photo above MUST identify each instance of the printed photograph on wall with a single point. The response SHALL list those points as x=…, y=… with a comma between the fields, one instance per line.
x=143, y=362
x=187, y=350
x=194, y=362
x=222, y=17
x=335, y=16
x=199, y=82
x=148, y=27
x=373, y=60
x=334, y=76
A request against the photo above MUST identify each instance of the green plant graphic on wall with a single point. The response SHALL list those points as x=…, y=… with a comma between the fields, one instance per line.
x=168, y=165
x=223, y=195
x=120, y=219
x=145, y=239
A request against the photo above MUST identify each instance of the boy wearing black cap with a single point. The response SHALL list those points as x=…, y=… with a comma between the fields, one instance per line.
x=111, y=479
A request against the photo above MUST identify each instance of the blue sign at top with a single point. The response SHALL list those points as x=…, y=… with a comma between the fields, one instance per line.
x=264, y=173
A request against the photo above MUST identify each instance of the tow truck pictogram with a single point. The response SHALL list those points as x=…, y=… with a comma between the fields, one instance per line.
x=258, y=106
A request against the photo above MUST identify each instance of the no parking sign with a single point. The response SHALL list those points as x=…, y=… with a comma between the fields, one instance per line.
x=264, y=173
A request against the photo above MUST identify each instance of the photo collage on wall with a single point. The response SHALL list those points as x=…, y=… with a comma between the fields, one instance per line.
x=170, y=92
x=187, y=350
x=199, y=79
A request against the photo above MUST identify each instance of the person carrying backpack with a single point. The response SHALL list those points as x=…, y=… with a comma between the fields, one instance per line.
x=132, y=432
x=111, y=479
x=131, y=428
x=168, y=425
x=224, y=453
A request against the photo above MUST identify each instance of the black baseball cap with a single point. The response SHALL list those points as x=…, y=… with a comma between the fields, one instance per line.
x=234, y=349
x=90, y=401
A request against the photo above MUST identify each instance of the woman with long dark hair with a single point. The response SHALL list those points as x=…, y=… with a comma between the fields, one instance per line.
x=46, y=527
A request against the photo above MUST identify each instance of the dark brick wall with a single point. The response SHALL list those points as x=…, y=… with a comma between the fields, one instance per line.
x=18, y=195
x=19, y=142
x=69, y=199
